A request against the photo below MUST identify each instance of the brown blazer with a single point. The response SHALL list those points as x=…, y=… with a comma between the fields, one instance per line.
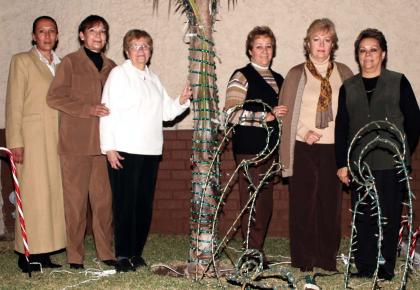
x=76, y=87
x=33, y=125
x=291, y=96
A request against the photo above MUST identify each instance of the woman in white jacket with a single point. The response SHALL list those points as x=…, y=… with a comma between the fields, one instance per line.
x=132, y=138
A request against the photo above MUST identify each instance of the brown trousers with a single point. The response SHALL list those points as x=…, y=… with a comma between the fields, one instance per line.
x=85, y=181
x=263, y=205
x=315, y=207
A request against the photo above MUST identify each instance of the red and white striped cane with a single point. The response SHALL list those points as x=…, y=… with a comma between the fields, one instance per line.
x=19, y=206
x=404, y=223
x=413, y=243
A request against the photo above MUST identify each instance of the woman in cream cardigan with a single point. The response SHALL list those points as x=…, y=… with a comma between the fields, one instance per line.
x=310, y=92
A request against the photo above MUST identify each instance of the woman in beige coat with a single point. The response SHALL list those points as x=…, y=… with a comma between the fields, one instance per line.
x=32, y=136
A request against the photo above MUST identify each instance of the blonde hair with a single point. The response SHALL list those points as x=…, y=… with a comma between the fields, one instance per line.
x=322, y=24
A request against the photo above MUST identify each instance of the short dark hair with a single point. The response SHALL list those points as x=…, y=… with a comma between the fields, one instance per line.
x=375, y=34
x=136, y=34
x=258, y=31
x=322, y=24
x=43, y=17
x=91, y=21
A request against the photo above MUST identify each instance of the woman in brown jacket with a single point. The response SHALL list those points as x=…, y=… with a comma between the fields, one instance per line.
x=310, y=92
x=76, y=93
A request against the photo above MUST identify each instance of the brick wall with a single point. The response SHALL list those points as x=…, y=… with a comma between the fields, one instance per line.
x=172, y=196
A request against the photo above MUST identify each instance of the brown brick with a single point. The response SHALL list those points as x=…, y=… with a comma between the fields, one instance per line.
x=169, y=135
x=169, y=204
x=163, y=194
x=183, y=195
x=172, y=185
x=163, y=174
x=181, y=174
x=183, y=214
x=172, y=164
x=181, y=154
x=176, y=144
x=184, y=135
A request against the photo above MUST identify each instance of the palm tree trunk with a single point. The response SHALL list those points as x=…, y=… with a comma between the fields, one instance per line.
x=205, y=165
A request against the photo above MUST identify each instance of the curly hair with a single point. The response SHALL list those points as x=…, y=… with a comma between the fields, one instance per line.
x=258, y=31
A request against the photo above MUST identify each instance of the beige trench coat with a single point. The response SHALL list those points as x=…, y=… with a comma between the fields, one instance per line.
x=32, y=124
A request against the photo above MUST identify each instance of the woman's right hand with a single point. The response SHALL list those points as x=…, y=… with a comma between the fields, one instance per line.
x=114, y=159
x=17, y=154
x=312, y=137
x=343, y=175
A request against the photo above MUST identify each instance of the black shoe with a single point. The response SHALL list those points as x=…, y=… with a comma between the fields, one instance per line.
x=51, y=265
x=110, y=263
x=124, y=265
x=138, y=261
x=45, y=261
x=28, y=267
x=76, y=266
x=383, y=274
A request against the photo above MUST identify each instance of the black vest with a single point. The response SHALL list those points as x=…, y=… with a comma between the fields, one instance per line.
x=248, y=139
x=384, y=105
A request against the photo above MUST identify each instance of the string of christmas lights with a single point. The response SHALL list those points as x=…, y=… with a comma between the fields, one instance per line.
x=362, y=175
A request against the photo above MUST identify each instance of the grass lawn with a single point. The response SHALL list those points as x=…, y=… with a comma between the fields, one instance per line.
x=171, y=250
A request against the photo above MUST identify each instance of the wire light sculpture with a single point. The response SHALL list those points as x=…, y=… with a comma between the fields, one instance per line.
x=362, y=176
x=249, y=267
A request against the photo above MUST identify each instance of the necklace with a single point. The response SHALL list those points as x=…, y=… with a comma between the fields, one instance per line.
x=370, y=91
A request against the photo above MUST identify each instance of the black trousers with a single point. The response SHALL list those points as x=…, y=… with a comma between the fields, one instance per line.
x=391, y=193
x=133, y=189
x=315, y=207
x=263, y=204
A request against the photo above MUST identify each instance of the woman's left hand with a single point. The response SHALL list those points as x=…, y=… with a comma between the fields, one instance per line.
x=280, y=111
x=186, y=93
x=114, y=159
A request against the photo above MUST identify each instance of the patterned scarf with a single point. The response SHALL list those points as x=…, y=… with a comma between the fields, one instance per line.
x=324, y=112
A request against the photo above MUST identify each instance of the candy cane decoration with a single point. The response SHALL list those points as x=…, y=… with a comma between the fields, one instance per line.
x=413, y=243
x=19, y=206
x=404, y=223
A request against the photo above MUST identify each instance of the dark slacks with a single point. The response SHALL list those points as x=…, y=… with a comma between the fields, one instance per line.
x=315, y=207
x=391, y=194
x=85, y=181
x=133, y=189
x=263, y=206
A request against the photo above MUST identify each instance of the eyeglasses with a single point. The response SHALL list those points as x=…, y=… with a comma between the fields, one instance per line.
x=138, y=47
x=372, y=50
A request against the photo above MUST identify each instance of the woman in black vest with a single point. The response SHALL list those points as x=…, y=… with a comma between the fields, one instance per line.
x=252, y=82
x=376, y=94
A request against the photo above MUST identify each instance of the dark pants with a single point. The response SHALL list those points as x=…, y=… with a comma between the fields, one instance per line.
x=133, y=188
x=315, y=207
x=390, y=199
x=263, y=205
